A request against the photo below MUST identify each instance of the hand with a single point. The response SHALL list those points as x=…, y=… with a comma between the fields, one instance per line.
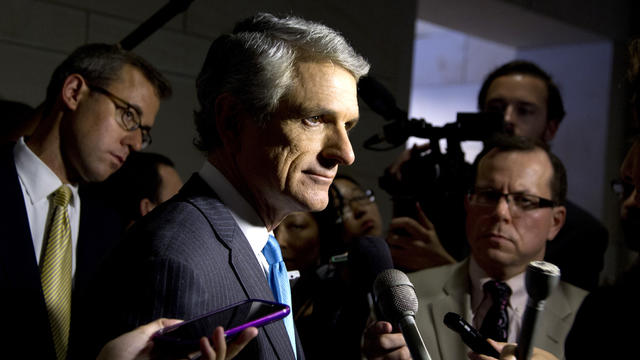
x=508, y=351
x=415, y=245
x=395, y=169
x=380, y=343
x=219, y=343
x=134, y=345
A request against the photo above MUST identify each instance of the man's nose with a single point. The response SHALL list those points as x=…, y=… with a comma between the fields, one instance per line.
x=338, y=147
x=509, y=114
x=133, y=140
x=503, y=209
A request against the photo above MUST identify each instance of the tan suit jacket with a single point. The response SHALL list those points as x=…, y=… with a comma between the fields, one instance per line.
x=447, y=288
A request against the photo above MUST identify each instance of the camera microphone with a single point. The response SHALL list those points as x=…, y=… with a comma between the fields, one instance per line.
x=379, y=99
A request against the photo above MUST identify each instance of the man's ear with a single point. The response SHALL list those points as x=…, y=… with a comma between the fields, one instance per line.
x=228, y=112
x=551, y=130
x=72, y=90
x=146, y=206
x=558, y=216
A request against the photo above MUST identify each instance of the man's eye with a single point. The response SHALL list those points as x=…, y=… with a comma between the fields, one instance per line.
x=129, y=117
x=313, y=120
x=525, y=111
x=524, y=201
x=496, y=107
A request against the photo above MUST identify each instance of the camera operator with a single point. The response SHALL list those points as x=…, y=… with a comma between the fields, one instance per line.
x=532, y=107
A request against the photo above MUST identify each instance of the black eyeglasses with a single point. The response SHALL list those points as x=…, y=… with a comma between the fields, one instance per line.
x=129, y=117
x=364, y=199
x=518, y=202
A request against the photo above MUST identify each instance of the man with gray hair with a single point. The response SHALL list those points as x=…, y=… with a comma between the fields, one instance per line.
x=277, y=100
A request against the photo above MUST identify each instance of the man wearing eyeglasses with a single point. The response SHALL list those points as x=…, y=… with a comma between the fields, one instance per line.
x=513, y=209
x=100, y=105
x=533, y=107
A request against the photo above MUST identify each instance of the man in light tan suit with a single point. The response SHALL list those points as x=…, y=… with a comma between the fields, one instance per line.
x=513, y=209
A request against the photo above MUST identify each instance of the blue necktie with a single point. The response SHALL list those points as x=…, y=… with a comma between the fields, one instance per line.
x=279, y=283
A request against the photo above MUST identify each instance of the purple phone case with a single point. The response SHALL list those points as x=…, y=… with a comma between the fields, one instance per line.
x=276, y=315
x=261, y=321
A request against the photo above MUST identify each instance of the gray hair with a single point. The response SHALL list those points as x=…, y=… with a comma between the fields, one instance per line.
x=256, y=64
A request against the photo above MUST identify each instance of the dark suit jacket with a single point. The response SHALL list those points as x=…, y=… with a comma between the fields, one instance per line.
x=604, y=325
x=26, y=333
x=187, y=257
x=578, y=249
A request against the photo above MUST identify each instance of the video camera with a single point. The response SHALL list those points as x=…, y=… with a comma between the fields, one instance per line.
x=438, y=181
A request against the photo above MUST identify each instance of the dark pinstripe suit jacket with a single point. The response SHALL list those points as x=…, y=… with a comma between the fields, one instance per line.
x=185, y=258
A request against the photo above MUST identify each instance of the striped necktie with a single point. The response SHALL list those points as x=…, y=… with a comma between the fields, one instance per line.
x=279, y=283
x=55, y=272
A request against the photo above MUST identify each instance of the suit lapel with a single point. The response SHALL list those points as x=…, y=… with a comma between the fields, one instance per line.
x=242, y=259
x=457, y=300
x=554, y=323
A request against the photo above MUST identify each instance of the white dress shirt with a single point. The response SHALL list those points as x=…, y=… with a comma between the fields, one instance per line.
x=245, y=216
x=38, y=183
x=481, y=302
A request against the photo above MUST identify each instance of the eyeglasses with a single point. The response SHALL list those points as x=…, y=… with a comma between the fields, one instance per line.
x=518, y=202
x=129, y=117
x=365, y=199
x=621, y=188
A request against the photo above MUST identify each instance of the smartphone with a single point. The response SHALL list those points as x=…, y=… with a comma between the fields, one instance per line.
x=472, y=337
x=184, y=338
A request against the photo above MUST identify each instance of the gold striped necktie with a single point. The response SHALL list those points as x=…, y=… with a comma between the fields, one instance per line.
x=55, y=272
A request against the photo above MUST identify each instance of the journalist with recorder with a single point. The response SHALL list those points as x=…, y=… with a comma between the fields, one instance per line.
x=513, y=209
x=277, y=99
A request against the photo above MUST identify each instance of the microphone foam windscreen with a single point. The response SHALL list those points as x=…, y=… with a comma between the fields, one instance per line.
x=395, y=295
x=368, y=256
x=540, y=279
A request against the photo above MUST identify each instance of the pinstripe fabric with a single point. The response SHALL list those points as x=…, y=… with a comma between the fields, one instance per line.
x=186, y=258
x=55, y=272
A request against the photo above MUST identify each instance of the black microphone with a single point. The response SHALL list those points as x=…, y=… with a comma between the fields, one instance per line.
x=472, y=337
x=368, y=257
x=379, y=99
x=540, y=279
x=396, y=297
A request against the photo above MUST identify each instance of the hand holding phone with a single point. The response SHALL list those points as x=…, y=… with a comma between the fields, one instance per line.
x=184, y=338
x=472, y=337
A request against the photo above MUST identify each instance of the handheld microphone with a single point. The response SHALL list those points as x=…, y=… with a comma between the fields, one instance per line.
x=472, y=337
x=398, y=302
x=540, y=279
x=368, y=257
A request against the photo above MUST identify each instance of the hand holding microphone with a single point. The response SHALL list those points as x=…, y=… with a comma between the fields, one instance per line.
x=472, y=337
x=398, y=302
x=540, y=279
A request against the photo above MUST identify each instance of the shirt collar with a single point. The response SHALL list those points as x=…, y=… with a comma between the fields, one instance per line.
x=478, y=277
x=245, y=216
x=38, y=180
